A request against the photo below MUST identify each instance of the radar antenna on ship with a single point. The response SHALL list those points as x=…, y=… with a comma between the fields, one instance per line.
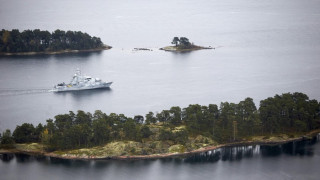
x=78, y=72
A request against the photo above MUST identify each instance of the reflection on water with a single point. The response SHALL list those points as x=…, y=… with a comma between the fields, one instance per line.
x=85, y=92
x=78, y=95
x=225, y=154
x=301, y=148
x=84, y=55
x=181, y=55
x=6, y=157
x=80, y=54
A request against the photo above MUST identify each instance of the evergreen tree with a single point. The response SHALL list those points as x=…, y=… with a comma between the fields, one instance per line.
x=286, y=113
x=6, y=138
x=24, y=133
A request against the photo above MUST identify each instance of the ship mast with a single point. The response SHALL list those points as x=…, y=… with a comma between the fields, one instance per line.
x=78, y=72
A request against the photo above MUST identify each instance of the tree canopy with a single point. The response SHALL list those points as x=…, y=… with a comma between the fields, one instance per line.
x=286, y=113
x=43, y=41
x=181, y=42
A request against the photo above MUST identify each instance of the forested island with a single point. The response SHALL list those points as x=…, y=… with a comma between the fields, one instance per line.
x=183, y=44
x=30, y=42
x=177, y=131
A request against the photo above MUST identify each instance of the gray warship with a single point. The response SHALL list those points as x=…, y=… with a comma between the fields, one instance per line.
x=80, y=82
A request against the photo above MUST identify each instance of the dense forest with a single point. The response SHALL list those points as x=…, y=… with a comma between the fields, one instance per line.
x=44, y=41
x=287, y=114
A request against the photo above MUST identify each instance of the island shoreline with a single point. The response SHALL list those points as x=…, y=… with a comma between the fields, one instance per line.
x=176, y=49
x=165, y=155
x=67, y=51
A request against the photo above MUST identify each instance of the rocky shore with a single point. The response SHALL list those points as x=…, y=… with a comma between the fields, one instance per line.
x=270, y=141
x=111, y=151
x=177, y=49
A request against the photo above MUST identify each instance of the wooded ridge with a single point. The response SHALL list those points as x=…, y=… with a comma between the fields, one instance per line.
x=16, y=42
x=175, y=130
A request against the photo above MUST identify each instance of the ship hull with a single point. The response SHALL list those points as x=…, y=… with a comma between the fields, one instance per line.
x=74, y=88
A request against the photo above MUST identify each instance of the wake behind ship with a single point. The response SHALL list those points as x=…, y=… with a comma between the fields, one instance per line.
x=80, y=82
